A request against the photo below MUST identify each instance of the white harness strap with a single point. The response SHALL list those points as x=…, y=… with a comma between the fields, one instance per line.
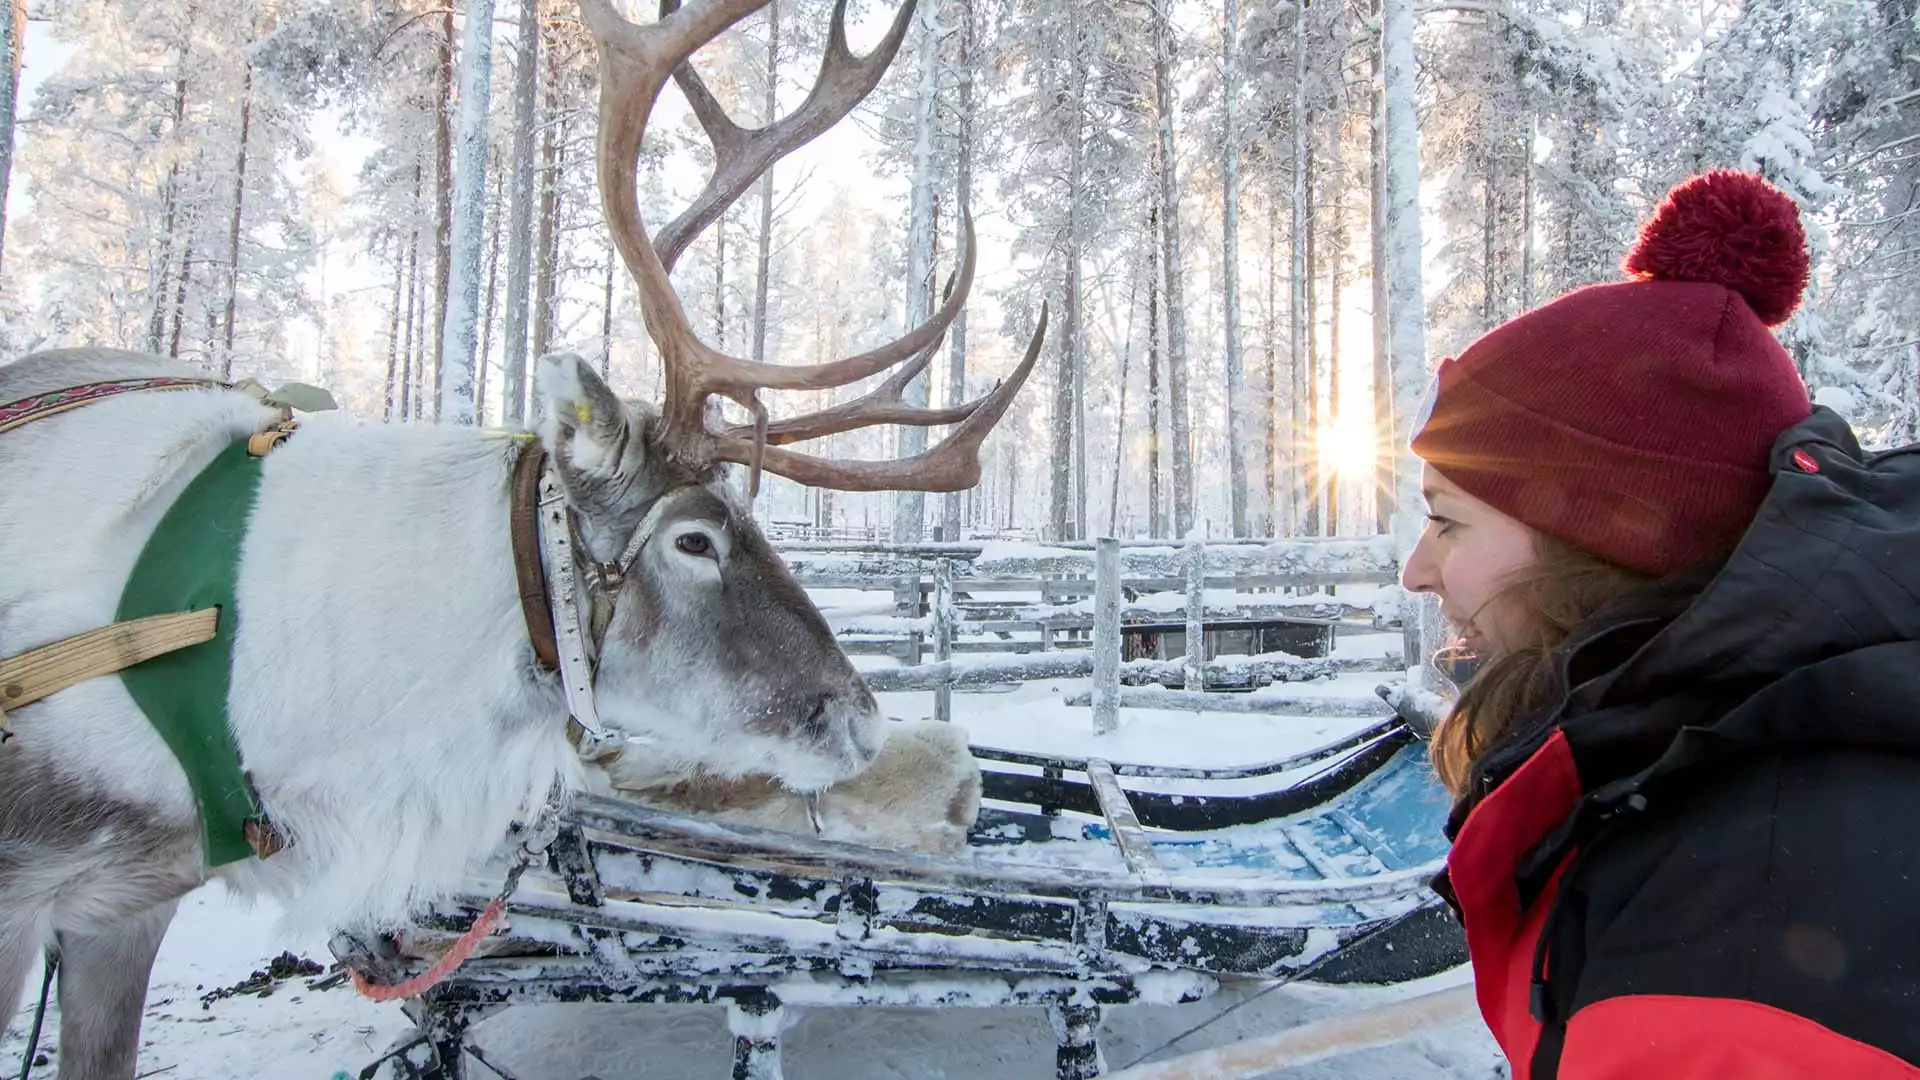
x=576, y=665
x=578, y=650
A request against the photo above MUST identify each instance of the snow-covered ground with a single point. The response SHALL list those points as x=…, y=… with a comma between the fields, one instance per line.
x=298, y=1032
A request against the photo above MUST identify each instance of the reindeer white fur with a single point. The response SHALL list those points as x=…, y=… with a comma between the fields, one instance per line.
x=384, y=696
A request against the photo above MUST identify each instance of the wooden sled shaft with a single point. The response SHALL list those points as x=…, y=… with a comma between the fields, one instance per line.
x=33, y=675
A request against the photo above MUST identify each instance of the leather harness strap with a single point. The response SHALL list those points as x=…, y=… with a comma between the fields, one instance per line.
x=536, y=603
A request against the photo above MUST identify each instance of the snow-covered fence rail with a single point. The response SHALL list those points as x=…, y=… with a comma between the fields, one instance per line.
x=1007, y=598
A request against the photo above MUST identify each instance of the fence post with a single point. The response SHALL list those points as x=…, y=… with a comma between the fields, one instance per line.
x=943, y=619
x=1196, y=614
x=1106, y=635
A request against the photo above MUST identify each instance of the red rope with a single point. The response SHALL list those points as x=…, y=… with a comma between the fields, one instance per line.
x=443, y=967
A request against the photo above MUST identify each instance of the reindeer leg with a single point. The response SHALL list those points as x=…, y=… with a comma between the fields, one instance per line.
x=103, y=992
x=20, y=946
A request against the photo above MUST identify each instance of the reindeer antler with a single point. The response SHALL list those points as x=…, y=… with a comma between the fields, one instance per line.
x=635, y=62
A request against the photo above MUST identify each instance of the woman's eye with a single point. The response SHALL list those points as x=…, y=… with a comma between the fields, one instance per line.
x=1440, y=525
x=694, y=544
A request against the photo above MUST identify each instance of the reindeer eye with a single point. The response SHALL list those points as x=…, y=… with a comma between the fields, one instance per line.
x=695, y=544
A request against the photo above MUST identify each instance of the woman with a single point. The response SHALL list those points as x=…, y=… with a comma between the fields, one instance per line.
x=1687, y=772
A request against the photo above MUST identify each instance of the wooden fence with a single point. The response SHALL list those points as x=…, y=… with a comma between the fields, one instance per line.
x=1042, y=609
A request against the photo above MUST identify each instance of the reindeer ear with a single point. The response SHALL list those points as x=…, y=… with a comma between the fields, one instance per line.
x=582, y=423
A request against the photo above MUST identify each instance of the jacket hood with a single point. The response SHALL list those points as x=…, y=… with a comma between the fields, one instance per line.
x=1830, y=565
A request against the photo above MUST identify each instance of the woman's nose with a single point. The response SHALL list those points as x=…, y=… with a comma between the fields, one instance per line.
x=1420, y=574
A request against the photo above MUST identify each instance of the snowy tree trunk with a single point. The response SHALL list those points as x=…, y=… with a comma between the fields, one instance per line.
x=720, y=280
x=1230, y=256
x=233, y=225
x=909, y=507
x=957, y=343
x=1405, y=300
x=443, y=198
x=1526, y=213
x=1297, y=294
x=1310, y=372
x=1156, y=516
x=181, y=281
x=1069, y=471
x=393, y=335
x=1060, y=460
x=1385, y=446
x=606, y=318
x=411, y=276
x=460, y=336
x=546, y=270
x=1180, y=429
x=763, y=257
x=1270, y=345
x=1329, y=472
x=161, y=275
x=13, y=40
x=1120, y=417
x=513, y=376
x=492, y=303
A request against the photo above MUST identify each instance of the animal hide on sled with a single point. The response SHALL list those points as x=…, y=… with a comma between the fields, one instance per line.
x=921, y=793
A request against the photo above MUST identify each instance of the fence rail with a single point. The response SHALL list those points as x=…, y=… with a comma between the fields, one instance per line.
x=963, y=600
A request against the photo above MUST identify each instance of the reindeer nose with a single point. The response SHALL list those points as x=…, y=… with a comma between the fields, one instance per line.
x=869, y=732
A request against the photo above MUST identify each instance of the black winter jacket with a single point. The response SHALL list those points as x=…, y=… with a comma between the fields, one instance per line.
x=1705, y=862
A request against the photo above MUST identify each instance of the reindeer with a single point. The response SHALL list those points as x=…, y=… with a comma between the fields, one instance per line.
x=393, y=711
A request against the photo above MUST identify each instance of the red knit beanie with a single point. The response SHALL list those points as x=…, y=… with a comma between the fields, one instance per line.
x=1635, y=420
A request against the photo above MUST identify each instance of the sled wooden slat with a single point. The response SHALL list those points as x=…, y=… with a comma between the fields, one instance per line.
x=27, y=678
x=1379, y=1026
x=1135, y=848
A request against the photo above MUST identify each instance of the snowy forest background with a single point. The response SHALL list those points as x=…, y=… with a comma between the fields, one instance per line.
x=1200, y=189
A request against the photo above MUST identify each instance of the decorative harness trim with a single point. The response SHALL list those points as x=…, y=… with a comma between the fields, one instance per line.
x=40, y=406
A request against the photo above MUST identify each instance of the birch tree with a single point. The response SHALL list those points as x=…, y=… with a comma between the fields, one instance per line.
x=456, y=404
x=13, y=33
x=1404, y=295
x=1179, y=422
x=1230, y=258
x=513, y=334
x=910, y=506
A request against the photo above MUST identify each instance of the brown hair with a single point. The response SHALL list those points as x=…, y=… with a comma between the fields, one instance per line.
x=1563, y=588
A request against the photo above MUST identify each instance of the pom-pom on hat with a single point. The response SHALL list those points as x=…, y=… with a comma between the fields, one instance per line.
x=1635, y=420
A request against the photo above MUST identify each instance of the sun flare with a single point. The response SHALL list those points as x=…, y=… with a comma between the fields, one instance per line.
x=1347, y=446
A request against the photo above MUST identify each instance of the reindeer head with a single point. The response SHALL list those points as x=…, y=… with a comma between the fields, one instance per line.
x=712, y=648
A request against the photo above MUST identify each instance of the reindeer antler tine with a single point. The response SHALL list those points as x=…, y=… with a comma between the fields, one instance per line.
x=953, y=465
x=635, y=62
x=882, y=405
x=854, y=368
x=742, y=155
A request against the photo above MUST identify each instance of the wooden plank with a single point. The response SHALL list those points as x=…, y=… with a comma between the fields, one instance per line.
x=27, y=678
x=1106, y=641
x=1081, y=586
x=943, y=631
x=1135, y=848
x=1196, y=635
x=1382, y=1025
x=1154, y=697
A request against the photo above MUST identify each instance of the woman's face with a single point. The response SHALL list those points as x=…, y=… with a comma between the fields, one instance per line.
x=1469, y=552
